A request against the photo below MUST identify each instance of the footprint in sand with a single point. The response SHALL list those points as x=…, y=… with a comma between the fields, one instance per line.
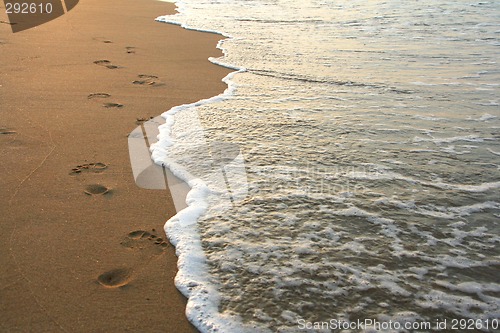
x=102, y=39
x=105, y=95
x=98, y=95
x=5, y=131
x=115, y=278
x=140, y=121
x=96, y=189
x=137, y=240
x=149, y=80
x=112, y=105
x=142, y=239
x=89, y=167
x=130, y=49
x=106, y=63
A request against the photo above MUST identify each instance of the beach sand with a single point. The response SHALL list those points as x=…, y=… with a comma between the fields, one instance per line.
x=72, y=258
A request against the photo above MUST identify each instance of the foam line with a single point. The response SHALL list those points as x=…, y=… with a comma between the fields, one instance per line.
x=181, y=229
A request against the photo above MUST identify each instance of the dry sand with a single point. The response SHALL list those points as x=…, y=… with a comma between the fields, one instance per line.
x=73, y=261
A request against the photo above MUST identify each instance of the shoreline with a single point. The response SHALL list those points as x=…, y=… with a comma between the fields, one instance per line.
x=82, y=250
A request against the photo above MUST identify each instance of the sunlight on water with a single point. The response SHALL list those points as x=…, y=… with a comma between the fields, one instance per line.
x=370, y=133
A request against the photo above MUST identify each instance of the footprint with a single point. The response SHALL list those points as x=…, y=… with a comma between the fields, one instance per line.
x=5, y=131
x=106, y=63
x=105, y=95
x=130, y=49
x=112, y=105
x=150, y=80
x=98, y=95
x=115, y=278
x=140, y=121
x=89, y=167
x=102, y=39
x=141, y=239
x=96, y=189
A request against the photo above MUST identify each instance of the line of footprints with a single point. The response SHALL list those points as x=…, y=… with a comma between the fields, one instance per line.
x=142, y=79
x=139, y=239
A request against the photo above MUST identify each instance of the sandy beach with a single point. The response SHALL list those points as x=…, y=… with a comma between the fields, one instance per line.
x=83, y=247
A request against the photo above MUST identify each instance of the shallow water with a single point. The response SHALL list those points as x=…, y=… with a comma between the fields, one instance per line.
x=362, y=170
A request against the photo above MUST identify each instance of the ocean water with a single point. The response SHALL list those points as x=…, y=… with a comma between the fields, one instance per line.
x=351, y=170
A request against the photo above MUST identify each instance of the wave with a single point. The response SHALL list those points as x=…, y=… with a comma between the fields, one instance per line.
x=302, y=78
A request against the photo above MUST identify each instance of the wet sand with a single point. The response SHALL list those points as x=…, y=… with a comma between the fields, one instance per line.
x=83, y=246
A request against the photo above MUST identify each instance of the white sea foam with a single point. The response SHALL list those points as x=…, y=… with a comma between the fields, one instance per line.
x=372, y=192
x=493, y=152
x=486, y=117
x=181, y=229
x=431, y=118
x=466, y=138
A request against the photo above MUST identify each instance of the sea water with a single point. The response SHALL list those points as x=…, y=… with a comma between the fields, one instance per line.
x=350, y=172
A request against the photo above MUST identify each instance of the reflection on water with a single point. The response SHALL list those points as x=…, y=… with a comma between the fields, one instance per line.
x=370, y=132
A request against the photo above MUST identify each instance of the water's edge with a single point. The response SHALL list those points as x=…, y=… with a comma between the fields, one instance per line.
x=192, y=279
